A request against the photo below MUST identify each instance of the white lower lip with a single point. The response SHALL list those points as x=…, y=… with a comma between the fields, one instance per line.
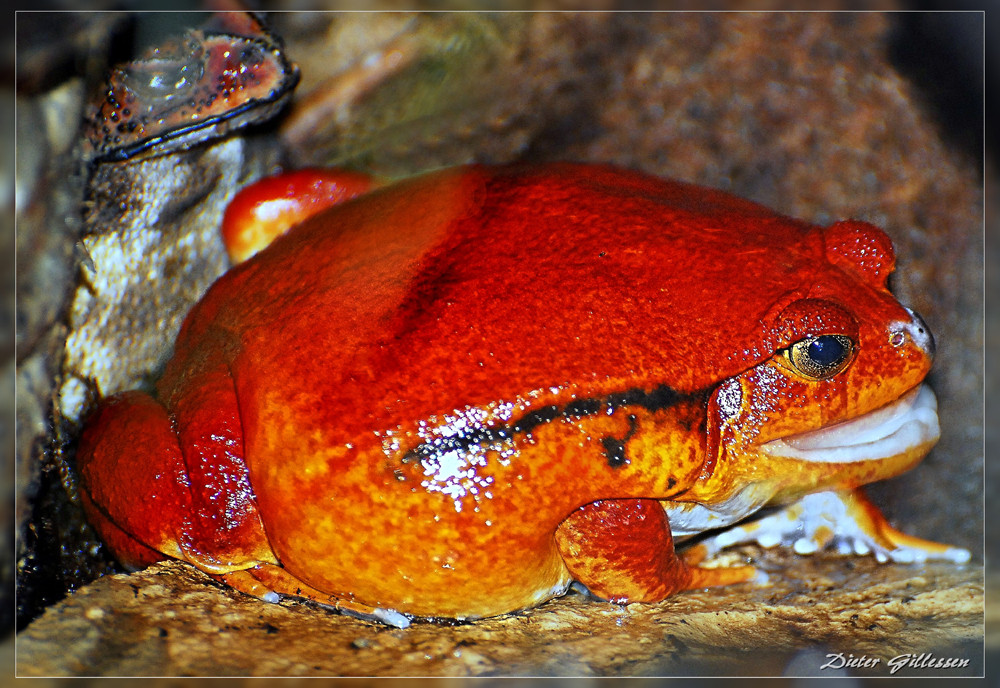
x=910, y=421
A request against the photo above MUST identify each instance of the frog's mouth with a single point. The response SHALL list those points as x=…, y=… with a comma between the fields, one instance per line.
x=909, y=422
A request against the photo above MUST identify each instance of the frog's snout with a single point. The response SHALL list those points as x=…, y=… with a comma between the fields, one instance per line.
x=915, y=331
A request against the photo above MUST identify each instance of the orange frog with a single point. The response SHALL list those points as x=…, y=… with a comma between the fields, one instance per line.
x=454, y=395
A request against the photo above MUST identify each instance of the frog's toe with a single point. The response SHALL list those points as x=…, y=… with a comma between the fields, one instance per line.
x=722, y=575
x=844, y=522
x=862, y=529
x=913, y=550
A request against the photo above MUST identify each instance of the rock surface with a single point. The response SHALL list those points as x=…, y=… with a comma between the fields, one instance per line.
x=172, y=620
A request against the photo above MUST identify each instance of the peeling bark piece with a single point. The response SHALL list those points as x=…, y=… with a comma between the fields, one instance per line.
x=229, y=74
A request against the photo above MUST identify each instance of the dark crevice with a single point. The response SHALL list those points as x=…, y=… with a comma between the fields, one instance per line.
x=941, y=53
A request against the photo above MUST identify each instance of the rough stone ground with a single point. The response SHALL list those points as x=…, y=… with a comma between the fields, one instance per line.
x=172, y=620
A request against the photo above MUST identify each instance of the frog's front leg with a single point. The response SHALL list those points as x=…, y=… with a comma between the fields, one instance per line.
x=622, y=550
x=845, y=520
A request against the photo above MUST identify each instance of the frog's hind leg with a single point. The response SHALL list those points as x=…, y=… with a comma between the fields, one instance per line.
x=173, y=483
x=622, y=551
x=226, y=532
x=128, y=550
x=132, y=479
x=148, y=502
x=268, y=582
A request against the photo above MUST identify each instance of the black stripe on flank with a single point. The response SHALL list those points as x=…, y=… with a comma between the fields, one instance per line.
x=582, y=407
x=657, y=399
x=660, y=398
x=614, y=448
x=529, y=422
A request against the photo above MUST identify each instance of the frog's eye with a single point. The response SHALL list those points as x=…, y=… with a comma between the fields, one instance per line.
x=822, y=357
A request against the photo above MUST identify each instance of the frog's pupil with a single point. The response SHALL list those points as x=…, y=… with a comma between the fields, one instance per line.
x=826, y=350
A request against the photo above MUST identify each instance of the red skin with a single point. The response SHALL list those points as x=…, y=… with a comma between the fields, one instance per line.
x=267, y=209
x=287, y=445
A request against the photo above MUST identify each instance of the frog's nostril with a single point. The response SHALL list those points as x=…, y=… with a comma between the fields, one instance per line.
x=918, y=332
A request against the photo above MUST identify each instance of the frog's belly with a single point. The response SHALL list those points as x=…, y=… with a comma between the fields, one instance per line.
x=689, y=518
x=412, y=551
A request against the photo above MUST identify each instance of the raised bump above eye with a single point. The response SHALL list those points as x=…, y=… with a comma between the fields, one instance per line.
x=860, y=247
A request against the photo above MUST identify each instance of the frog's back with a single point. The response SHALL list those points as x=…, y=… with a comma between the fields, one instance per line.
x=493, y=287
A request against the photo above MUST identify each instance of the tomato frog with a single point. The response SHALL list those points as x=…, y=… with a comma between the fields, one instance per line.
x=455, y=394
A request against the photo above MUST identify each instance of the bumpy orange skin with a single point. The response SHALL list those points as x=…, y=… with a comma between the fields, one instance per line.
x=409, y=399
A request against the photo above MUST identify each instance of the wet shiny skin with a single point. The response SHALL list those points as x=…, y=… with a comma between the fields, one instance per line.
x=452, y=395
